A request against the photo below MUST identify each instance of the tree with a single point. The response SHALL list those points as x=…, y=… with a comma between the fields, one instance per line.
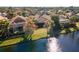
x=29, y=29
x=55, y=26
x=4, y=28
x=74, y=19
x=56, y=22
x=24, y=12
x=10, y=13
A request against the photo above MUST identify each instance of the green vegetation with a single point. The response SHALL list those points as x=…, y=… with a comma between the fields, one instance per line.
x=4, y=27
x=39, y=33
x=51, y=25
x=63, y=31
x=69, y=30
x=11, y=41
x=56, y=22
x=77, y=24
x=72, y=29
x=74, y=19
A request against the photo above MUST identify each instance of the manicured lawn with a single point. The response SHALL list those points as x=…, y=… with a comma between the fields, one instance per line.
x=77, y=24
x=11, y=41
x=72, y=29
x=39, y=33
x=63, y=31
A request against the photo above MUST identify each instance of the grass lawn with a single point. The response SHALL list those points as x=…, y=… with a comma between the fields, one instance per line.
x=11, y=41
x=63, y=31
x=72, y=29
x=77, y=24
x=39, y=33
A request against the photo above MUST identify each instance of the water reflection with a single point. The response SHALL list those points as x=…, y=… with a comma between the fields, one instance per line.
x=65, y=43
x=69, y=43
x=53, y=45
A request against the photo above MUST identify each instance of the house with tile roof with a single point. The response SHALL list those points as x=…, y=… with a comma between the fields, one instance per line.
x=17, y=24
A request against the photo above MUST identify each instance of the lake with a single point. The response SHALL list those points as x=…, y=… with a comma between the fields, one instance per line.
x=63, y=43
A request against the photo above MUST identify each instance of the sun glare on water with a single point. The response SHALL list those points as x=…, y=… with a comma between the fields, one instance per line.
x=53, y=45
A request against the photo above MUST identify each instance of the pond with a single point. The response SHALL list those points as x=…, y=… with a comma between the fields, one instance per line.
x=28, y=46
x=63, y=43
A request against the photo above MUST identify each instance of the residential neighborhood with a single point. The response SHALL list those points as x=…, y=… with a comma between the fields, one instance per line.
x=34, y=29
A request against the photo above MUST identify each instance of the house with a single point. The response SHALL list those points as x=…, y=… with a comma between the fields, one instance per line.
x=63, y=19
x=41, y=20
x=17, y=24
